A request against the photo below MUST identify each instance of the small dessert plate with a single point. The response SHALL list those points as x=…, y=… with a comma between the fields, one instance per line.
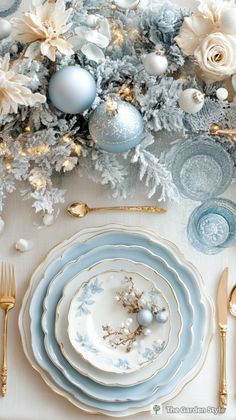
x=106, y=328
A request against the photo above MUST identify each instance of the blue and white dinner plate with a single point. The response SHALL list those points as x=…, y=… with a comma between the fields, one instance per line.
x=136, y=392
x=70, y=250
x=61, y=324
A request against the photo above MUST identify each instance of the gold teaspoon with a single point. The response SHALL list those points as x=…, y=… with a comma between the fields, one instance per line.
x=81, y=209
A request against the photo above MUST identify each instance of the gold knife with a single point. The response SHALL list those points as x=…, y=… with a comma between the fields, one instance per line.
x=222, y=313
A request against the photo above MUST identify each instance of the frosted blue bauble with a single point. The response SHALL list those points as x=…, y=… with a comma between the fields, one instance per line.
x=117, y=132
x=144, y=318
x=72, y=90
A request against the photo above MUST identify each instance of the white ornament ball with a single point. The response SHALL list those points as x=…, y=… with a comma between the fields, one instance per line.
x=228, y=21
x=191, y=100
x=72, y=90
x=144, y=317
x=2, y=225
x=5, y=29
x=155, y=64
x=222, y=94
x=23, y=245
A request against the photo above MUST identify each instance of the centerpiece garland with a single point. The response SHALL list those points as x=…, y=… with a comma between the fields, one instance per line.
x=97, y=86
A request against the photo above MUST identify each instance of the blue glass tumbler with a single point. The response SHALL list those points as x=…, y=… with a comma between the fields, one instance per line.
x=212, y=226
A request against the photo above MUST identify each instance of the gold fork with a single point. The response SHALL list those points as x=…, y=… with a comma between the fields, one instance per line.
x=7, y=302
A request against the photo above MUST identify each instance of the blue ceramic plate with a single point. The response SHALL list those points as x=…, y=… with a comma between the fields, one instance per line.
x=200, y=327
x=136, y=392
x=8, y=7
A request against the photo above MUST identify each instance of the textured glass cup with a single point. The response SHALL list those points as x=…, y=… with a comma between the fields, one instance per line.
x=212, y=226
x=201, y=169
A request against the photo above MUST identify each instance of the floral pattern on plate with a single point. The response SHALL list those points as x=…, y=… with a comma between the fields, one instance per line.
x=95, y=305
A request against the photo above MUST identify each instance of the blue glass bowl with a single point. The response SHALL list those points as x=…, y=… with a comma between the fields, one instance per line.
x=212, y=226
x=202, y=169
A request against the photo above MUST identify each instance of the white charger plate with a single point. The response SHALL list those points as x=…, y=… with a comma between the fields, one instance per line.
x=85, y=368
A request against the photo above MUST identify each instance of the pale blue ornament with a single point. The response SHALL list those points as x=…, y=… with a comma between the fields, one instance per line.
x=162, y=316
x=72, y=90
x=116, y=126
x=144, y=318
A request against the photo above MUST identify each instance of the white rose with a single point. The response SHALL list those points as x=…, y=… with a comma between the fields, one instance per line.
x=216, y=56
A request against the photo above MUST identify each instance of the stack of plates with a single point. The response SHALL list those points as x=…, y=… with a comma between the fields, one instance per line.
x=72, y=299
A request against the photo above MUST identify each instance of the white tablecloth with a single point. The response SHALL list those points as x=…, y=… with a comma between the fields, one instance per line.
x=28, y=397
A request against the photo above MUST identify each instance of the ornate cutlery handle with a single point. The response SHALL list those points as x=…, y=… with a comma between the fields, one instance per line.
x=147, y=209
x=223, y=397
x=4, y=359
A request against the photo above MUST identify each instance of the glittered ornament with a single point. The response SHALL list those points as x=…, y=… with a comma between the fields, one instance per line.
x=222, y=94
x=155, y=63
x=72, y=90
x=144, y=318
x=116, y=126
x=227, y=21
x=5, y=29
x=191, y=100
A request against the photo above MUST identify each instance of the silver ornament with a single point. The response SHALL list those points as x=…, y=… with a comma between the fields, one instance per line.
x=162, y=316
x=116, y=126
x=5, y=29
x=144, y=318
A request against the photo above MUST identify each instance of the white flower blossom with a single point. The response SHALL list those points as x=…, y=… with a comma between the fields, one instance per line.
x=14, y=90
x=43, y=28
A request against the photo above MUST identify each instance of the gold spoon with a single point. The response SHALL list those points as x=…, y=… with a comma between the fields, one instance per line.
x=81, y=209
x=232, y=301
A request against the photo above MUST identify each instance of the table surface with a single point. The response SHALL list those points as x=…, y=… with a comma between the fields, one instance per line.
x=29, y=398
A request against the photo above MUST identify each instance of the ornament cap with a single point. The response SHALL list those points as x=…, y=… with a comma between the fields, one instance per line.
x=111, y=107
x=198, y=97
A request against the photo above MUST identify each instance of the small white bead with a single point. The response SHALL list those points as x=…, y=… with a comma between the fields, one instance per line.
x=146, y=331
x=130, y=320
x=126, y=331
x=122, y=325
x=134, y=344
x=127, y=323
x=126, y=294
x=23, y=245
x=117, y=298
x=132, y=294
x=222, y=94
